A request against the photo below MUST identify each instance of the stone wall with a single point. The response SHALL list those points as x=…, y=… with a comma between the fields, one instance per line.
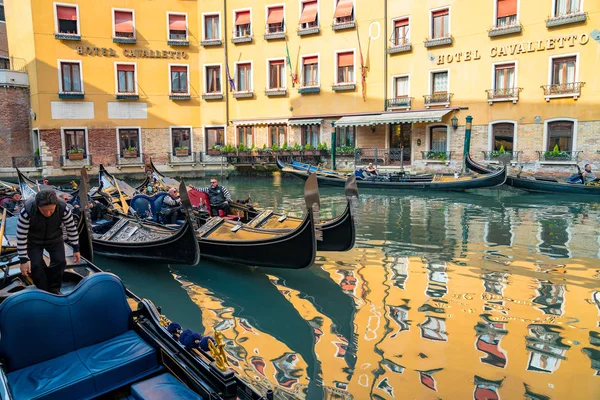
x=3, y=41
x=15, y=137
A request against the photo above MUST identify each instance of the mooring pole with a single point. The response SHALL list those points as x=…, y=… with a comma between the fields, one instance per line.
x=467, y=143
x=333, y=141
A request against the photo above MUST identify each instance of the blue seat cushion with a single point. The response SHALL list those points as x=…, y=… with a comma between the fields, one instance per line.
x=119, y=360
x=164, y=386
x=64, y=377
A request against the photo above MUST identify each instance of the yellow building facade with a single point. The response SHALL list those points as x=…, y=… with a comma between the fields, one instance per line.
x=114, y=82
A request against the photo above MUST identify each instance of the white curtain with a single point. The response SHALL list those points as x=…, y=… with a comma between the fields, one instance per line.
x=438, y=139
x=402, y=86
x=440, y=82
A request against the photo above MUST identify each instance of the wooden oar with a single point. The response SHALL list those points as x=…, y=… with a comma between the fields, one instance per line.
x=2, y=228
x=124, y=204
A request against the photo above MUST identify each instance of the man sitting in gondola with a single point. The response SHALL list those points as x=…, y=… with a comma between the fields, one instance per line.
x=585, y=177
x=15, y=203
x=171, y=207
x=218, y=196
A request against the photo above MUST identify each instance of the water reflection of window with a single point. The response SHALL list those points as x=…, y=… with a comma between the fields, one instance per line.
x=551, y=298
x=555, y=237
x=489, y=335
x=494, y=282
x=545, y=347
x=499, y=231
x=399, y=314
x=434, y=328
x=400, y=273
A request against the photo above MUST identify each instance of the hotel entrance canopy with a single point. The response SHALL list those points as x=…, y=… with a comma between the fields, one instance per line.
x=393, y=118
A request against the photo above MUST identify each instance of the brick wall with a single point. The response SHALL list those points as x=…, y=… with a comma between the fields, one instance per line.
x=15, y=138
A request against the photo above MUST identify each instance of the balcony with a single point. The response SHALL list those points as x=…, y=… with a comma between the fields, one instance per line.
x=443, y=41
x=343, y=23
x=24, y=162
x=563, y=90
x=379, y=156
x=308, y=30
x=15, y=74
x=399, y=46
x=492, y=156
x=124, y=38
x=75, y=161
x=128, y=96
x=178, y=40
x=399, y=102
x=500, y=30
x=438, y=99
x=67, y=36
x=247, y=94
x=274, y=31
x=558, y=157
x=343, y=86
x=276, y=92
x=129, y=159
x=245, y=38
x=187, y=158
x=180, y=96
x=437, y=157
x=309, y=89
x=212, y=96
x=566, y=19
x=508, y=94
x=211, y=42
x=71, y=95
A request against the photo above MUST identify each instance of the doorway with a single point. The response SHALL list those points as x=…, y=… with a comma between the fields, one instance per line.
x=400, y=144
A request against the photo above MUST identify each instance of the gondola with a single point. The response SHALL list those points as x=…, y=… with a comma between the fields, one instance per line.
x=444, y=183
x=100, y=340
x=29, y=187
x=537, y=184
x=156, y=179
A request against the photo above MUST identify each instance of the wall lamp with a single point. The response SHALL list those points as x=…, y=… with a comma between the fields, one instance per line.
x=454, y=122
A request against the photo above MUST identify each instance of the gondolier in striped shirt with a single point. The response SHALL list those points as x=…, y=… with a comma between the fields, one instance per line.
x=39, y=228
x=218, y=196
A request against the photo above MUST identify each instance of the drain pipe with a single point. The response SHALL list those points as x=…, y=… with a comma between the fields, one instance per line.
x=226, y=65
x=385, y=55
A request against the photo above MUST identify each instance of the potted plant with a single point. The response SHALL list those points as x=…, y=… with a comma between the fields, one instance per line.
x=285, y=150
x=296, y=150
x=215, y=150
x=436, y=155
x=242, y=150
x=130, y=152
x=556, y=154
x=309, y=149
x=254, y=151
x=182, y=151
x=75, y=154
x=228, y=150
x=322, y=148
x=345, y=150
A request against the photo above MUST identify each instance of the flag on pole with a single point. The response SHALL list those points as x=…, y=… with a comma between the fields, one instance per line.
x=231, y=81
x=362, y=68
x=289, y=61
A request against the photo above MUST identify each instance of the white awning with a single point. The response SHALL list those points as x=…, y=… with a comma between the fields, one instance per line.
x=393, y=118
x=261, y=122
x=309, y=121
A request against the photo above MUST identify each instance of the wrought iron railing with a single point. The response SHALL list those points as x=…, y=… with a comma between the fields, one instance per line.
x=552, y=155
x=438, y=98
x=129, y=158
x=378, y=156
x=493, y=155
x=66, y=161
x=442, y=156
x=274, y=29
x=180, y=158
x=503, y=94
x=27, y=162
x=573, y=88
x=399, y=102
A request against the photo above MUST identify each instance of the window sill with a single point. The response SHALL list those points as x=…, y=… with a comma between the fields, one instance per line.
x=505, y=30
x=275, y=92
x=174, y=43
x=67, y=36
x=309, y=31
x=243, y=95
x=274, y=35
x=446, y=41
x=70, y=95
x=558, y=162
x=403, y=48
x=128, y=96
x=124, y=40
x=212, y=96
x=211, y=42
x=340, y=87
x=566, y=19
x=343, y=25
x=446, y=162
x=242, y=39
x=575, y=96
x=445, y=104
x=309, y=89
x=503, y=99
x=180, y=96
x=129, y=162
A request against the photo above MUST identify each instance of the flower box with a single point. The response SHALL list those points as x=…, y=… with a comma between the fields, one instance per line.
x=243, y=153
x=213, y=152
x=285, y=152
x=130, y=154
x=296, y=153
x=231, y=154
x=75, y=156
x=182, y=153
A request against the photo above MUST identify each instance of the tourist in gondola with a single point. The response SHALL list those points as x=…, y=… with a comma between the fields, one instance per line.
x=218, y=196
x=171, y=207
x=38, y=229
x=587, y=176
x=372, y=170
x=15, y=203
x=98, y=211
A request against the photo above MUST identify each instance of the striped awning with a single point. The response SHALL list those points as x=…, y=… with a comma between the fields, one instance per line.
x=307, y=121
x=393, y=118
x=261, y=122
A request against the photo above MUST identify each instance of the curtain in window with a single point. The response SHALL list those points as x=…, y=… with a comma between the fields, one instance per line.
x=564, y=71
x=212, y=27
x=441, y=21
x=74, y=139
x=213, y=79
x=311, y=71
x=438, y=139
x=440, y=82
x=402, y=86
x=244, y=78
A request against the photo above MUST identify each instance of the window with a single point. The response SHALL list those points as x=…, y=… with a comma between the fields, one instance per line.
x=344, y=12
x=401, y=36
x=438, y=138
x=345, y=136
x=215, y=137
x=560, y=133
x=4, y=63
x=309, y=17
x=179, y=79
x=565, y=7
x=70, y=73
x=277, y=135
x=276, y=74
x=212, y=27
x=345, y=67
x=75, y=139
x=182, y=140
x=440, y=24
x=177, y=26
x=310, y=71
x=126, y=78
x=275, y=22
x=244, y=77
x=129, y=139
x=310, y=135
x=401, y=86
x=503, y=135
x=563, y=70
x=67, y=20
x=506, y=11
x=124, y=27
x=439, y=83
x=242, y=24
x=213, y=79
x=245, y=136
x=2, y=16
x=504, y=77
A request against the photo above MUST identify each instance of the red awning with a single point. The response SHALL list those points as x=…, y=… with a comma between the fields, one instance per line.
x=178, y=68
x=343, y=9
x=124, y=21
x=439, y=13
x=125, y=67
x=66, y=13
x=242, y=17
x=275, y=15
x=309, y=12
x=276, y=62
x=311, y=60
x=401, y=22
x=346, y=59
x=506, y=8
x=177, y=22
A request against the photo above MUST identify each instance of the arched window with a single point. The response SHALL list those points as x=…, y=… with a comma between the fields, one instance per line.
x=503, y=135
x=438, y=138
x=560, y=133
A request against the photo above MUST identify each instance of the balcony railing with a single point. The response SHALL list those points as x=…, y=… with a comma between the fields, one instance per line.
x=309, y=88
x=275, y=31
x=211, y=42
x=67, y=36
x=391, y=156
x=561, y=156
x=74, y=161
x=495, y=154
x=179, y=96
x=182, y=158
x=437, y=156
x=212, y=96
x=343, y=23
x=129, y=158
x=434, y=42
x=399, y=45
x=245, y=37
x=308, y=29
x=399, y=102
x=572, y=89
x=275, y=92
x=507, y=29
x=438, y=99
x=124, y=37
x=178, y=41
x=27, y=162
x=565, y=19
x=505, y=94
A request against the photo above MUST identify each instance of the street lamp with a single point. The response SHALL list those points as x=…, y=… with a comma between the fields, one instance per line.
x=454, y=122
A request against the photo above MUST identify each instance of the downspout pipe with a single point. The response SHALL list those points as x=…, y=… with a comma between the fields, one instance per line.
x=385, y=55
x=227, y=61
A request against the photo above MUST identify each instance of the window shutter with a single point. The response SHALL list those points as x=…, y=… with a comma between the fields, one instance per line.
x=275, y=15
x=242, y=17
x=309, y=12
x=124, y=21
x=346, y=59
x=343, y=9
x=66, y=13
x=125, y=67
x=177, y=22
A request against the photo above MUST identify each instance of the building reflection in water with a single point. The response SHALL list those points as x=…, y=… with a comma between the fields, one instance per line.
x=434, y=326
x=489, y=335
x=486, y=389
x=546, y=349
x=550, y=298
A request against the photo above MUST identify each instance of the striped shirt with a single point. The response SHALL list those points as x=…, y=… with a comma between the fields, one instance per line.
x=171, y=202
x=23, y=231
x=223, y=188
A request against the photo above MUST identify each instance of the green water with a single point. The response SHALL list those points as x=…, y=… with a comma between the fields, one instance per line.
x=486, y=295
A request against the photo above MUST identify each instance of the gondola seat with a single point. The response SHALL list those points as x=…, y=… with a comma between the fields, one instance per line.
x=204, y=200
x=76, y=346
x=160, y=387
x=150, y=207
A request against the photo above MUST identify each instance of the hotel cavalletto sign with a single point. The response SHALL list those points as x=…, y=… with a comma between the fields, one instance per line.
x=108, y=52
x=517, y=48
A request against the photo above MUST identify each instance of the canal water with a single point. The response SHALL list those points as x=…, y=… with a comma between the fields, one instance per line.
x=482, y=295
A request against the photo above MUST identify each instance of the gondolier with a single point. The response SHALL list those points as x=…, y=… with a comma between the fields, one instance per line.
x=39, y=228
x=218, y=196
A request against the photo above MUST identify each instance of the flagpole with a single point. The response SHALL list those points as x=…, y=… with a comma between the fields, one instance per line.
x=362, y=67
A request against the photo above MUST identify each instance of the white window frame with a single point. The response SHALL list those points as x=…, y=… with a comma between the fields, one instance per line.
x=187, y=66
x=3, y=22
x=449, y=20
x=503, y=121
x=393, y=84
x=191, y=137
x=205, y=128
x=132, y=11
x=269, y=72
x=494, y=65
x=80, y=128
x=204, y=81
x=300, y=7
x=428, y=136
x=36, y=143
x=251, y=76
x=267, y=7
x=552, y=10
x=60, y=83
x=430, y=81
x=212, y=14
x=393, y=27
x=139, y=129
x=135, y=77
x=546, y=132
x=302, y=57
x=495, y=21
x=551, y=69
x=335, y=64
x=335, y=3
x=187, y=29
x=237, y=10
x=76, y=6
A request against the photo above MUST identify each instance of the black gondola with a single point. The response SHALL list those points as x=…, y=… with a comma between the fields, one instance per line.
x=539, y=185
